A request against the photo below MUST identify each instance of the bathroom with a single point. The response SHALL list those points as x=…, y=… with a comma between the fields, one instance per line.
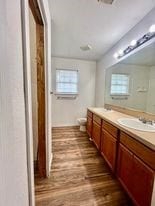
x=77, y=103
x=103, y=108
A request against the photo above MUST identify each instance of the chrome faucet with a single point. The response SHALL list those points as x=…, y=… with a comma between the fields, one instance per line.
x=146, y=121
x=108, y=108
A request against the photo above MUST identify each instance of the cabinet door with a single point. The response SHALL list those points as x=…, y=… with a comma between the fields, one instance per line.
x=125, y=168
x=96, y=134
x=142, y=186
x=89, y=126
x=108, y=148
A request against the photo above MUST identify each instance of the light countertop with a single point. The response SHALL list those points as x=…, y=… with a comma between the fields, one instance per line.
x=147, y=138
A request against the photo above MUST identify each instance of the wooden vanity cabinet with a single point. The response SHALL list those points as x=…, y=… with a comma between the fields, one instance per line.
x=89, y=123
x=108, y=148
x=143, y=179
x=135, y=175
x=96, y=130
x=125, y=167
x=109, y=144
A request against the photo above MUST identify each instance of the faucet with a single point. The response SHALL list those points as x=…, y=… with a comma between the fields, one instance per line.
x=146, y=121
x=108, y=108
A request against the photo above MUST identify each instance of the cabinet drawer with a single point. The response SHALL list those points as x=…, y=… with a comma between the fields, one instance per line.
x=89, y=114
x=143, y=152
x=110, y=128
x=97, y=119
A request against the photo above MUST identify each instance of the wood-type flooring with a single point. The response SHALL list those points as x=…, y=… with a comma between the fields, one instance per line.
x=79, y=175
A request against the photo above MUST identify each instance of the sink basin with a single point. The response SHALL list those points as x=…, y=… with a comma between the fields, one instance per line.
x=103, y=110
x=136, y=124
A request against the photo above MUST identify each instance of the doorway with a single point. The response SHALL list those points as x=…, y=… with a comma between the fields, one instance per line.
x=38, y=87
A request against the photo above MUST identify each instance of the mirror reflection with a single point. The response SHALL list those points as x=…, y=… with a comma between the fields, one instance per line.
x=131, y=83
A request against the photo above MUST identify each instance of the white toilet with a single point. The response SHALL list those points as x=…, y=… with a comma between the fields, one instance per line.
x=82, y=122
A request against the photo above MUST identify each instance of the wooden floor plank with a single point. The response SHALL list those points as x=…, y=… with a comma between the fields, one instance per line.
x=79, y=175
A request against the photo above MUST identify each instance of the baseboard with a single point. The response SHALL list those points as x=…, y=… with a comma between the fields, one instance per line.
x=68, y=126
x=65, y=125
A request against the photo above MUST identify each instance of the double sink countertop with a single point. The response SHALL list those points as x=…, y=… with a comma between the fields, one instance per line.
x=147, y=138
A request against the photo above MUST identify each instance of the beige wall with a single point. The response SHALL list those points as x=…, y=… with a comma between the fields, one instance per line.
x=34, y=83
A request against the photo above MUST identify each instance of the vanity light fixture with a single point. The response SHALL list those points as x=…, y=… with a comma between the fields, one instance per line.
x=120, y=52
x=116, y=55
x=152, y=29
x=134, y=44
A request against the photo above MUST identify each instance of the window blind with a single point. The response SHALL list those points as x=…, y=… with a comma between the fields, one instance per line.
x=120, y=84
x=66, y=81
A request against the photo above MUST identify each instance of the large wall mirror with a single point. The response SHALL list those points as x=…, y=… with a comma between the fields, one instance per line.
x=131, y=83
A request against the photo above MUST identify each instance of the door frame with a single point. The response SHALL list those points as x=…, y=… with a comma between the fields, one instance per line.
x=28, y=95
x=40, y=60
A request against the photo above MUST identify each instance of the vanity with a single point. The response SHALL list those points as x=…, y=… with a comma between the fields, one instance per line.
x=129, y=153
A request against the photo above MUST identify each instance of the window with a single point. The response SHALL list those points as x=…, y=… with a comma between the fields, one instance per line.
x=119, y=84
x=66, y=81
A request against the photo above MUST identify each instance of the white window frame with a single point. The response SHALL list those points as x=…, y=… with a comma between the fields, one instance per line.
x=67, y=93
x=120, y=94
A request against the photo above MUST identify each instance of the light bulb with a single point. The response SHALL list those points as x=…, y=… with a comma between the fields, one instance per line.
x=116, y=55
x=120, y=52
x=133, y=42
x=152, y=29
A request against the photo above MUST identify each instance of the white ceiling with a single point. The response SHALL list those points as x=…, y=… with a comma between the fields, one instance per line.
x=79, y=22
x=144, y=57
